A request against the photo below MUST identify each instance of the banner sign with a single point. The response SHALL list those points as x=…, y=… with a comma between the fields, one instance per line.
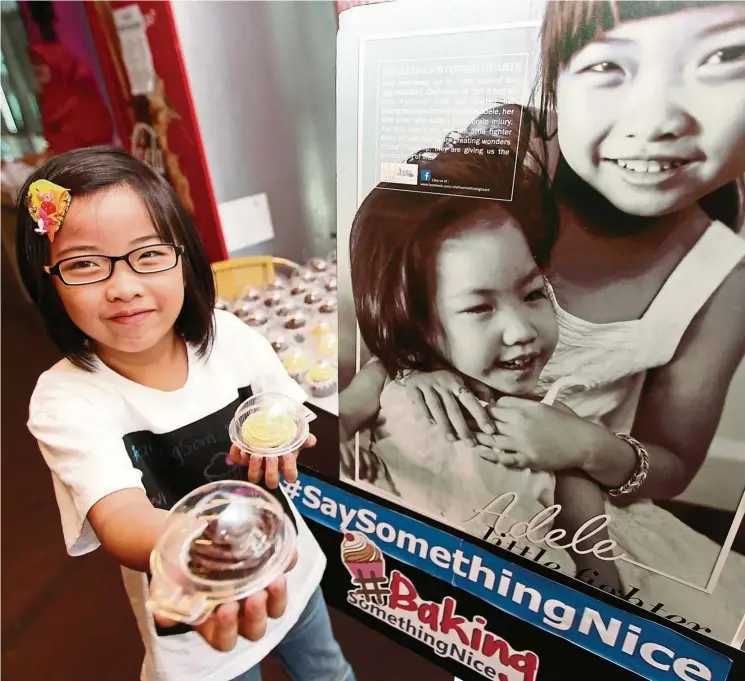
x=483, y=615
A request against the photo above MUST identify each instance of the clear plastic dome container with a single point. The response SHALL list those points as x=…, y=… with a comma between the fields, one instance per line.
x=317, y=265
x=269, y=424
x=222, y=542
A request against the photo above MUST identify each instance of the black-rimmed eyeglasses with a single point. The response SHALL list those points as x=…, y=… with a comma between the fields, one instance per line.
x=90, y=269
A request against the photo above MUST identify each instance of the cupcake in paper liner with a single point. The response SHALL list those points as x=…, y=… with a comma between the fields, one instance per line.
x=362, y=558
x=273, y=298
x=327, y=346
x=277, y=283
x=299, y=287
x=256, y=319
x=286, y=308
x=242, y=307
x=323, y=326
x=322, y=380
x=296, y=324
x=279, y=341
x=312, y=298
x=297, y=362
x=305, y=274
x=251, y=293
x=329, y=306
x=318, y=265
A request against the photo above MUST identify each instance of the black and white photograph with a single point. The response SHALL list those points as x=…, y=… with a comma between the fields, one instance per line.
x=542, y=287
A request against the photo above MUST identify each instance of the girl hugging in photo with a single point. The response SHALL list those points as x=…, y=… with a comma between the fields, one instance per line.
x=454, y=282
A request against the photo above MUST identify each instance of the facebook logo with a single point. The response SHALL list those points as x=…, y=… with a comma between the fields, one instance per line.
x=425, y=175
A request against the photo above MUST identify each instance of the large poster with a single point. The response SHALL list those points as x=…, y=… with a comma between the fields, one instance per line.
x=541, y=276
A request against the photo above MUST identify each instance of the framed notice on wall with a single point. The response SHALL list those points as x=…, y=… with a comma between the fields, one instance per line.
x=540, y=252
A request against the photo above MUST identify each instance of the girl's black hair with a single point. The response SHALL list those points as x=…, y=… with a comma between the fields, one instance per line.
x=569, y=26
x=397, y=234
x=85, y=172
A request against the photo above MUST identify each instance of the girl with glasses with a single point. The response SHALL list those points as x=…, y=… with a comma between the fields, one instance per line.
x=136, y=415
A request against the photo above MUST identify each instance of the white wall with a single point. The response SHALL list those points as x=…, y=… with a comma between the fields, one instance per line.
x=262, y=75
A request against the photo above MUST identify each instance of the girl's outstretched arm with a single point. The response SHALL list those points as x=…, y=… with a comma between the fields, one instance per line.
x=682, y=402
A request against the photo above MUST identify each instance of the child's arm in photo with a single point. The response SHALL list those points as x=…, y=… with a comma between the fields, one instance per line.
x=581, y=499
x=359, y=402
x=681, y=403
x=443, y=398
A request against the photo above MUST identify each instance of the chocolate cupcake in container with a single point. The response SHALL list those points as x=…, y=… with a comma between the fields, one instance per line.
x=257, y=319
x=242, y=307
x=223, y=542
x=312, y=299
x=296, y=324
x=279, y=341
x=299, y=287
x=305, y=274
x=273, y=298
x=318, y=265
x=286, y=308
x=277, y=283
x=251, y=293
x=329, y=306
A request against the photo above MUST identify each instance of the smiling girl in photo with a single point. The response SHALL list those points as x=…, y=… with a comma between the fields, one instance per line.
x=646, y=101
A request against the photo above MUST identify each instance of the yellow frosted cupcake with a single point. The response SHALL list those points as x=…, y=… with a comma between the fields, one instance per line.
x=321, y=380
x=328, y=345
x=264, y=429
x=297, y=363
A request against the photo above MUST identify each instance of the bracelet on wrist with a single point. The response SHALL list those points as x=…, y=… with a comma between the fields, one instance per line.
x=640, y=471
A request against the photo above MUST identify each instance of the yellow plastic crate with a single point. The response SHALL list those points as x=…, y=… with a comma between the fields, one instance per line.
x=232, y=276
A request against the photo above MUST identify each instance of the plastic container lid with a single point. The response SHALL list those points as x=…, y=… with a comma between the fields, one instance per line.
x=222, y=542
x=269, y=424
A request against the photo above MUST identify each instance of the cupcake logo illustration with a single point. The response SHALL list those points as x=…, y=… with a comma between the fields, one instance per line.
x=366, y=565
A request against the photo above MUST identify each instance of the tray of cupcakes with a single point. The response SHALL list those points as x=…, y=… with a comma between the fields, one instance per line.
x=298, y=315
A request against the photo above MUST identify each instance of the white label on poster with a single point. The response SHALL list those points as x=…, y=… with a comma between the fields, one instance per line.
x=246, y=221
x=138, y=59
x=400, y=173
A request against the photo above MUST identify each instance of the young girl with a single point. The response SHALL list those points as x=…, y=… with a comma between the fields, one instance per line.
x=136, y=415
x=462, y=290
x=648, y=103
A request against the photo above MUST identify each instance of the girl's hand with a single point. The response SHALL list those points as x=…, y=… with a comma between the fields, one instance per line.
x=537, y=436
x=439, y=395
x=269, y=467
x=247, y=618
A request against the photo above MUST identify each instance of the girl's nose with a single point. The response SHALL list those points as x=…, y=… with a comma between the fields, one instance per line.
x=517, y=329
x=655, y=108
x=124, y=284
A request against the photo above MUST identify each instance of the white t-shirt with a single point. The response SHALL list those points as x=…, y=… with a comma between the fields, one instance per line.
x=100, y=432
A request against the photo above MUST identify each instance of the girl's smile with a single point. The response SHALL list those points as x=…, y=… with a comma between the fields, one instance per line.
x=652, y=113
x=498, y=326
x=129, y=312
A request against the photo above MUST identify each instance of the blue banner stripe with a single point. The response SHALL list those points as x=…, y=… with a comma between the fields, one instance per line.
x=647, y=648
